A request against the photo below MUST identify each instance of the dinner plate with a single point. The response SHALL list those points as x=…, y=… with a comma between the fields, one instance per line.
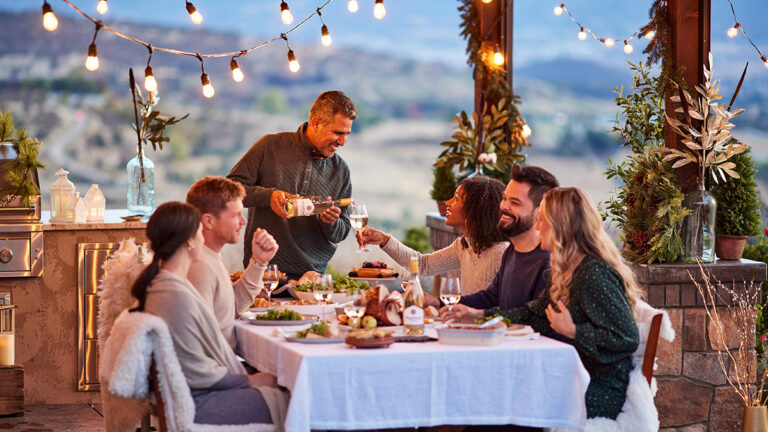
x=392, y=283
x=132, y=218
x=251, y=318
x=291, y=337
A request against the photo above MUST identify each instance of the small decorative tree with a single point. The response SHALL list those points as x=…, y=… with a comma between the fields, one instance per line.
x=19, y=172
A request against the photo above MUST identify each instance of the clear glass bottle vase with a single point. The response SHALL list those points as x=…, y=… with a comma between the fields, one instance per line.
x=699, y=227
x=141, y=191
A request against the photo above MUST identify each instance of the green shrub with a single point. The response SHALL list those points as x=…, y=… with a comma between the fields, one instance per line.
x=738, y=203
x=443, y=183
x=417, y=238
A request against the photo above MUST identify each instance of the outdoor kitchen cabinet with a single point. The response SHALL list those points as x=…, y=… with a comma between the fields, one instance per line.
x=52, y=329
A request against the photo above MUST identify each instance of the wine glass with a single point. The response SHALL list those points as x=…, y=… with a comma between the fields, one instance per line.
x=450, y=291
x=271, y=279
x=323, y=290
x=359, y=220
x=405, y=277
x=356, y=308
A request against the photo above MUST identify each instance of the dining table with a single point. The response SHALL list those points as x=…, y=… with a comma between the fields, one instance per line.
x=537, y=382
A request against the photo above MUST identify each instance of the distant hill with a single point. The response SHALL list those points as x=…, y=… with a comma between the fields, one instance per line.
x=580, y=77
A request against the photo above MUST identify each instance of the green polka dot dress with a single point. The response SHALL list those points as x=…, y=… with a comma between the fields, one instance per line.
x=606, y=333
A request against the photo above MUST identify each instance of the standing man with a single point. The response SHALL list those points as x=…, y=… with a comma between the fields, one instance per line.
x=220, y=203
x=523, y=274
x=301, y=163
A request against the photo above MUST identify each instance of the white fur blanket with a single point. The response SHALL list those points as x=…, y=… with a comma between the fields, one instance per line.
x=128, y=353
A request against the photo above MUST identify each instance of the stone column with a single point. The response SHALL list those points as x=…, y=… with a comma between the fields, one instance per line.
x=693, y=395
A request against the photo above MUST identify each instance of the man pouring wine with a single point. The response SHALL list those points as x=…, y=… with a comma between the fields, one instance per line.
x=284, y=166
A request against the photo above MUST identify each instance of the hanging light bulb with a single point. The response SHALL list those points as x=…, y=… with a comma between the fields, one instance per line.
x=285, y=13
x=102, y=7
x=92, y=62
x=379, y=11
x=237, y=74
x=487, y=1
x=609, y=42
x=50, y=22
x=194, y=15
x=352, y=6
x=582, y=34
x=293, y=64
x=150, y=84
x=326, y=36
x=765, y=61
x=526, y=130
x=559, y=9
x=733, y=31
x=498, y=57
x=628, y=48
x=208, y=90
x=650, y=35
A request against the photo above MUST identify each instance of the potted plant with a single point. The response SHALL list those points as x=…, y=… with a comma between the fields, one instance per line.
x=20, y=173
x=443, y=186
x=738, y=208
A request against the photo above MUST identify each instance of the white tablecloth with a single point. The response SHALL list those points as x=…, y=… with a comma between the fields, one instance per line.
x=333, y=386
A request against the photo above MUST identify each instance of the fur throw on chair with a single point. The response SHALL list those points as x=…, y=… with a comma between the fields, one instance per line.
x=137, y=337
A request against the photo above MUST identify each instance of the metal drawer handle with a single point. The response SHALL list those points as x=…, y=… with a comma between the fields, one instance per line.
x=5, y=255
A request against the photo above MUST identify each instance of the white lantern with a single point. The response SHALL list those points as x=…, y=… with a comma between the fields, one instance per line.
x=95, y=204
x=61, y=192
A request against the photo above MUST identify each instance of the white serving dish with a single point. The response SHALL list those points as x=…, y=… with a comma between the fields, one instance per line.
x=337, y=297
x=465, y=336
x=392, y=283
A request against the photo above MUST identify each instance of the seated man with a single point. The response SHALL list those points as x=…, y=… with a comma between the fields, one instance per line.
x=524, y=266
x=220, y=203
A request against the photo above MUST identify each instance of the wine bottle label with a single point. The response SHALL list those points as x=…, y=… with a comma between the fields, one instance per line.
x=413, y=316
x=304, y=207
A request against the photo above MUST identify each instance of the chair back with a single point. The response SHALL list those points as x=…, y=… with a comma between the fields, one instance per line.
x=649, y=357
x=159, y=405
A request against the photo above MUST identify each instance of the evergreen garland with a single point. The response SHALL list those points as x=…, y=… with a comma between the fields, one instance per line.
x=19, y=172
x=500, y=121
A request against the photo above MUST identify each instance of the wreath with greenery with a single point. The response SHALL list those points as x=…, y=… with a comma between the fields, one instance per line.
x=20, y=171
x=498, y=129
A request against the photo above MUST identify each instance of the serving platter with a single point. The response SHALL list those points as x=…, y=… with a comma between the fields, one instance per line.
x=383, y=342
x=251, y=319
x=291, y=337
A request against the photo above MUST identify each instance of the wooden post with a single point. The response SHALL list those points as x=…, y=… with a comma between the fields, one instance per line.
x=11, y=390
x=690, y=41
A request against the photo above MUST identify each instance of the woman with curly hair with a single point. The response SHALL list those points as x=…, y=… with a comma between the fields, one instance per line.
x=590, y=299
x=473, y=210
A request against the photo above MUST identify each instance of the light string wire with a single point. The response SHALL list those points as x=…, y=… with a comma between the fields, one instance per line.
x=587, y=29
x=239, y=53
x=741, y=26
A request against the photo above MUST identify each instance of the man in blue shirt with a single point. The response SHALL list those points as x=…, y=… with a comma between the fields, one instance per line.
x=523, y=274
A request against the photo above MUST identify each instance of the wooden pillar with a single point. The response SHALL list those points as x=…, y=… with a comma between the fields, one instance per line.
x=690, y=41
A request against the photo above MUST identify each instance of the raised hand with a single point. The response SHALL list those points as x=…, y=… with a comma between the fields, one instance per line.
x=372, y=236
x=263, y=246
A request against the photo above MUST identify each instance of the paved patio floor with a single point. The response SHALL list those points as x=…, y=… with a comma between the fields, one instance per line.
x=55, y=418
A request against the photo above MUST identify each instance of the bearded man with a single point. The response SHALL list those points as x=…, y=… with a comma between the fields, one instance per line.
x=523, y=274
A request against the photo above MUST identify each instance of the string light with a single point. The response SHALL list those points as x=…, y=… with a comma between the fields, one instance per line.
x=733, y=31
x=208, y=90
x=237, y=74
x=102, y=7
x=487, y=1
x=650, y=35
x=559, y=9
x=325, y=35
x=608, y=42
x=628, y=48
x=92, y=62
x=285, y=13
x=352, y=6
x=498, y=57
x=50, y=22
x=379, y=11
x=526, y=130
x=765, y=61
x=293, y=64
x=150, y=84
x=194, y=15
x=582, y=34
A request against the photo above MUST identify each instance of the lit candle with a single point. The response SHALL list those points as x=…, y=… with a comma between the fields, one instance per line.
x=6, y=349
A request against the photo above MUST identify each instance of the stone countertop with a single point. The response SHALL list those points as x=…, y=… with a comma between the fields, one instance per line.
x=112, y=221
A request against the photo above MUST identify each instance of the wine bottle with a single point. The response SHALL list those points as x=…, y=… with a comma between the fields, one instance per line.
x=413, y=313
x=308, y=206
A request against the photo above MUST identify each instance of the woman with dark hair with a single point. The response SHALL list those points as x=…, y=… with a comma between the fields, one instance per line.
x=473, y=210
x=221, y=389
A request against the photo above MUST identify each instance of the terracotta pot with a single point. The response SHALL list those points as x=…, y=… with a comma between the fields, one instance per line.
x=755, y=419
x=442, y=207
x=728, y=247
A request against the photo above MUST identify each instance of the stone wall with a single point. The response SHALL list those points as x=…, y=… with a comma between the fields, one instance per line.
x=693, y=394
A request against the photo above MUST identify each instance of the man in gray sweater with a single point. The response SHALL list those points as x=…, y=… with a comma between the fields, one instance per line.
x=301, y=163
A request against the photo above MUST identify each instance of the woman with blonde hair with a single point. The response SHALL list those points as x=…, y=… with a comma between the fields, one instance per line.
x=590, y=298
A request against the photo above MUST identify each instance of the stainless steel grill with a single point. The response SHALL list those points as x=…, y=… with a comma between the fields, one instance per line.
x=21, y=233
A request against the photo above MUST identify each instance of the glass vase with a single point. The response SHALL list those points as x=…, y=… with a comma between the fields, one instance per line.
x=141, y=189
x=699, y=227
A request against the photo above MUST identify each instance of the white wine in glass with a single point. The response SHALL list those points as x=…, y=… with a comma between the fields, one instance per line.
x=271, y=279
x=359, y=220
x=450, y=291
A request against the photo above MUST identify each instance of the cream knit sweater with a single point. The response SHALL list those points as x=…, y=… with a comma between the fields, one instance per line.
x=477, y=271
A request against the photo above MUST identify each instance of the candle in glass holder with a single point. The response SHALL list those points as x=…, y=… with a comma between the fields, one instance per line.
x=6, y=349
